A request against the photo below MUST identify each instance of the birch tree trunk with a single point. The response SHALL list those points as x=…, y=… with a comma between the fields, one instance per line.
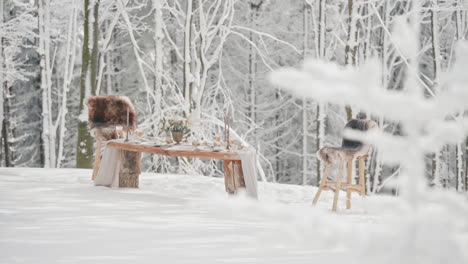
x=48, y=130
x=4, y=110
x=461, y=23
x=67, y=79
x=375, y=164
x=460, y=171
x=435, y=43
x=368, y=31
x=136, y=49
x=210, y=30
x=277, y=174
x=320, y=116
x=436, y=68
x=304, y=100
x=188, y=76
x=108, y=60
x=466, y=166
x=374, y=182
x=2, y=66
x=321, y=29
x=158, y=36
x=351, y=45
x=84, y=153
x=158, y=72
x=462, y=162
x=95, y=51
x=254, y=8
x=49, y=66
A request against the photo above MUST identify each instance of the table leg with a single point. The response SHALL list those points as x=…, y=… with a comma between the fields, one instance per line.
x=97, y=159
x=362, y=179
x=349, y=181
x=130, y=169
x=233, y=176
x=338, y=186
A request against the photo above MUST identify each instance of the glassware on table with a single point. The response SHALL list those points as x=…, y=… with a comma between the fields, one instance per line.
x=233, y=145
x=119, y=130
x=139, y=132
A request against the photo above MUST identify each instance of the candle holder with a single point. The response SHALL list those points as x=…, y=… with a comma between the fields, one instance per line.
x=227, y=126
x=128, y=121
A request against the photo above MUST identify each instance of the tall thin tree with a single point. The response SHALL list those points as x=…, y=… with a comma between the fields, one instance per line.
x=84, y=153
x=351, y=46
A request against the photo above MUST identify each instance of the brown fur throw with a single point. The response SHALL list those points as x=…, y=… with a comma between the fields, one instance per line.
x=105, y=112
x=330, y=155
x=349, y=148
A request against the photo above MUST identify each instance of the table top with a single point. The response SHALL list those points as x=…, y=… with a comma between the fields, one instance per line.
x=184, y=149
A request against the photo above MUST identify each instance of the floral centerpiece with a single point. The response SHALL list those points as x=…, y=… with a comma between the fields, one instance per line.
x=178, y=128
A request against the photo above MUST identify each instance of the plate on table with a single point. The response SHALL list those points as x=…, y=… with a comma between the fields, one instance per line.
x=152, y=143
x=161, y=144
x=182, y=147
x=204, y=148
x=136, y=141
x=218, y=149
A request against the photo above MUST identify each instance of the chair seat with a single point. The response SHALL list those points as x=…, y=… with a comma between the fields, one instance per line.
x=345, y=154
x=331, y=155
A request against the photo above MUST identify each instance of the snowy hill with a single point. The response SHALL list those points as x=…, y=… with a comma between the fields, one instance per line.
x=58, y=216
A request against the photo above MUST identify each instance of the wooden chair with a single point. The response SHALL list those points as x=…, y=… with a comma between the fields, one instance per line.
x=345, y=155
x=105, y=112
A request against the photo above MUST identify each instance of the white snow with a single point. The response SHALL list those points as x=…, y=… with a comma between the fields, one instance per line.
x=58, y=216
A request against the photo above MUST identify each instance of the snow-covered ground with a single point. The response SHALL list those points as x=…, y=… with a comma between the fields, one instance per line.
x=58, y=216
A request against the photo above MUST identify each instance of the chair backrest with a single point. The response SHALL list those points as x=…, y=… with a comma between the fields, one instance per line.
x=357, y=124
x=111, y=110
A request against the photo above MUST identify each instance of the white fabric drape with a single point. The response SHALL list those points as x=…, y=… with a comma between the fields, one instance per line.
x=108, y=174
x=249, y=169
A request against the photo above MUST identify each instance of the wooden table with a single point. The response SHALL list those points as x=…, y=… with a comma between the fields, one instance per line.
x=131, y=159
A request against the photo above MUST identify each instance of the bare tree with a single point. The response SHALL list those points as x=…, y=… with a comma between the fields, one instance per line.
x=84, y=152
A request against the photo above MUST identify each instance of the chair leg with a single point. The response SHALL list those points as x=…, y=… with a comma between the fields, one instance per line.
x=349, y=181
x=97, y=160
x=362, y=180
x=338, y=186
x=323, y=182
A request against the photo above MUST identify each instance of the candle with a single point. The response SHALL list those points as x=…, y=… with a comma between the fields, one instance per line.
x=128, y=117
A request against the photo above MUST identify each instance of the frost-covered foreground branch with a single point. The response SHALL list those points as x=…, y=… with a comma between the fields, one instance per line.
x=427, y=125
x=424, y=121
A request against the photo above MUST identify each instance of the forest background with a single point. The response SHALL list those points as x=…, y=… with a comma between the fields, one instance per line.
x=200, y=59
